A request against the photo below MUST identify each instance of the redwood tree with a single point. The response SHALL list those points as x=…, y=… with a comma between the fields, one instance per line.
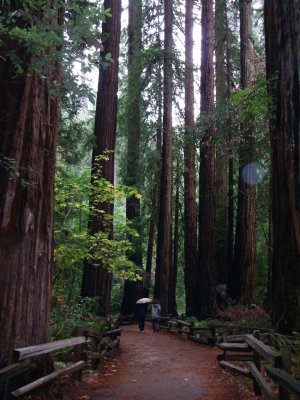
x=282, y=37
x=206, y=304
x=190, y=206
x=163, y=276
x=241, y=282
x=96, y=279
x=222, y=66
x=28, y=131
x=133, y=290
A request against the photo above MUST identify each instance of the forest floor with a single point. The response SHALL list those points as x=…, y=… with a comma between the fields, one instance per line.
x=160, y=366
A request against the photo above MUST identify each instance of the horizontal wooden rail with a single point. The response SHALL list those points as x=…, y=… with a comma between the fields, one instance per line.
x=235, y=368
x=241, y=327
x=262, y=383
x=235, y=347
x=284, y=379
x=13, y=370
x=184, y=323
x=34, y=351
x=48, y=378
x=266, y=351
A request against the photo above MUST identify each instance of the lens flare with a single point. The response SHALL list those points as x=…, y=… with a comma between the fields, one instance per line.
x=253, y=173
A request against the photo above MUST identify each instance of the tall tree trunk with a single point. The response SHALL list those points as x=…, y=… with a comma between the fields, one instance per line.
x=230, y=211
x=176, y=238
x=28, y=131
x=133, y=290
x=282, y=36
x=163, y=278
x=241, y=283
x=155, y=199
x=207, y=204
x=222, y=136
x=96, y=279
x=190, y=206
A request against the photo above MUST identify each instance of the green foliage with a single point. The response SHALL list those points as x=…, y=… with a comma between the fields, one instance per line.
x=37, y=32
x=75, y=201
x=65, y=318
x=278, y=340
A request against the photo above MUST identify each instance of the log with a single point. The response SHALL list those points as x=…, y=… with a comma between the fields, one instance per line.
x=114, y=344
x=48, y=378
x=93, y=355
x=114, y=333
x=179, y=322
x=198, y=340
x=235, y=368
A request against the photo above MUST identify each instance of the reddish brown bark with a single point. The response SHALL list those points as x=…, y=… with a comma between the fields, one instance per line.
x=96, y=279
x=175, y=239
x=28, y=131
x=155, y=199
x=133, y=290
x=207, y=205
x=190, y=206
x=282, y=36
x=163, y=278
x=241, y=282
x=221, y=137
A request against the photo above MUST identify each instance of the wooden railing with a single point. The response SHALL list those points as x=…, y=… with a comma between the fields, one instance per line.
x=89, y=349
x=262, y=360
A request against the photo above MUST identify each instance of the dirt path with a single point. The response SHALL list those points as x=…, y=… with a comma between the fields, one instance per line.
x=162, y=366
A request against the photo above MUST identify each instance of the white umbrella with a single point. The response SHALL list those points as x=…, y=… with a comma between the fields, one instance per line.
x=144, y=300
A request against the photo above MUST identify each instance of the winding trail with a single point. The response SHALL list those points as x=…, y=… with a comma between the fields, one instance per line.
x=162, y=366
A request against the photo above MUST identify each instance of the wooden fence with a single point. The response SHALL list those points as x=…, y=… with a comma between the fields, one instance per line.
x=269, y=369
x=246, y=345
x=89, y=348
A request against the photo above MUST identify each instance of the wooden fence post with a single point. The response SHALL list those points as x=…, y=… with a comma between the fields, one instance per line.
x=257, y=362
x=94, y=347
x=78, y=352
x=286, y=364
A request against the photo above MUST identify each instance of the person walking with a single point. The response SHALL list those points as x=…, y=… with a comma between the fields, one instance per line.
x=155, y=314
x=141, y=314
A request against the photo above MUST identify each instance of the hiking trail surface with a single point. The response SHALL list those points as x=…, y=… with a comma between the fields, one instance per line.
x=162, y=366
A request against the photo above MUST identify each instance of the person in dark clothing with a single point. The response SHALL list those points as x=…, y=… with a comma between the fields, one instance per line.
x=141, y=314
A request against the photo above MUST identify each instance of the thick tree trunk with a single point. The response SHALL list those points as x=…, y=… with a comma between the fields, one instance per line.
x=155, y=199
x=28, y=131
x=282, y=36
x=222, y=135
x=163, y=278
x=133, y=290
x=175, y=240
x=190, y=206
x=207, y=204
x=96, y=279
x=230, y=212
x=241, y=282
